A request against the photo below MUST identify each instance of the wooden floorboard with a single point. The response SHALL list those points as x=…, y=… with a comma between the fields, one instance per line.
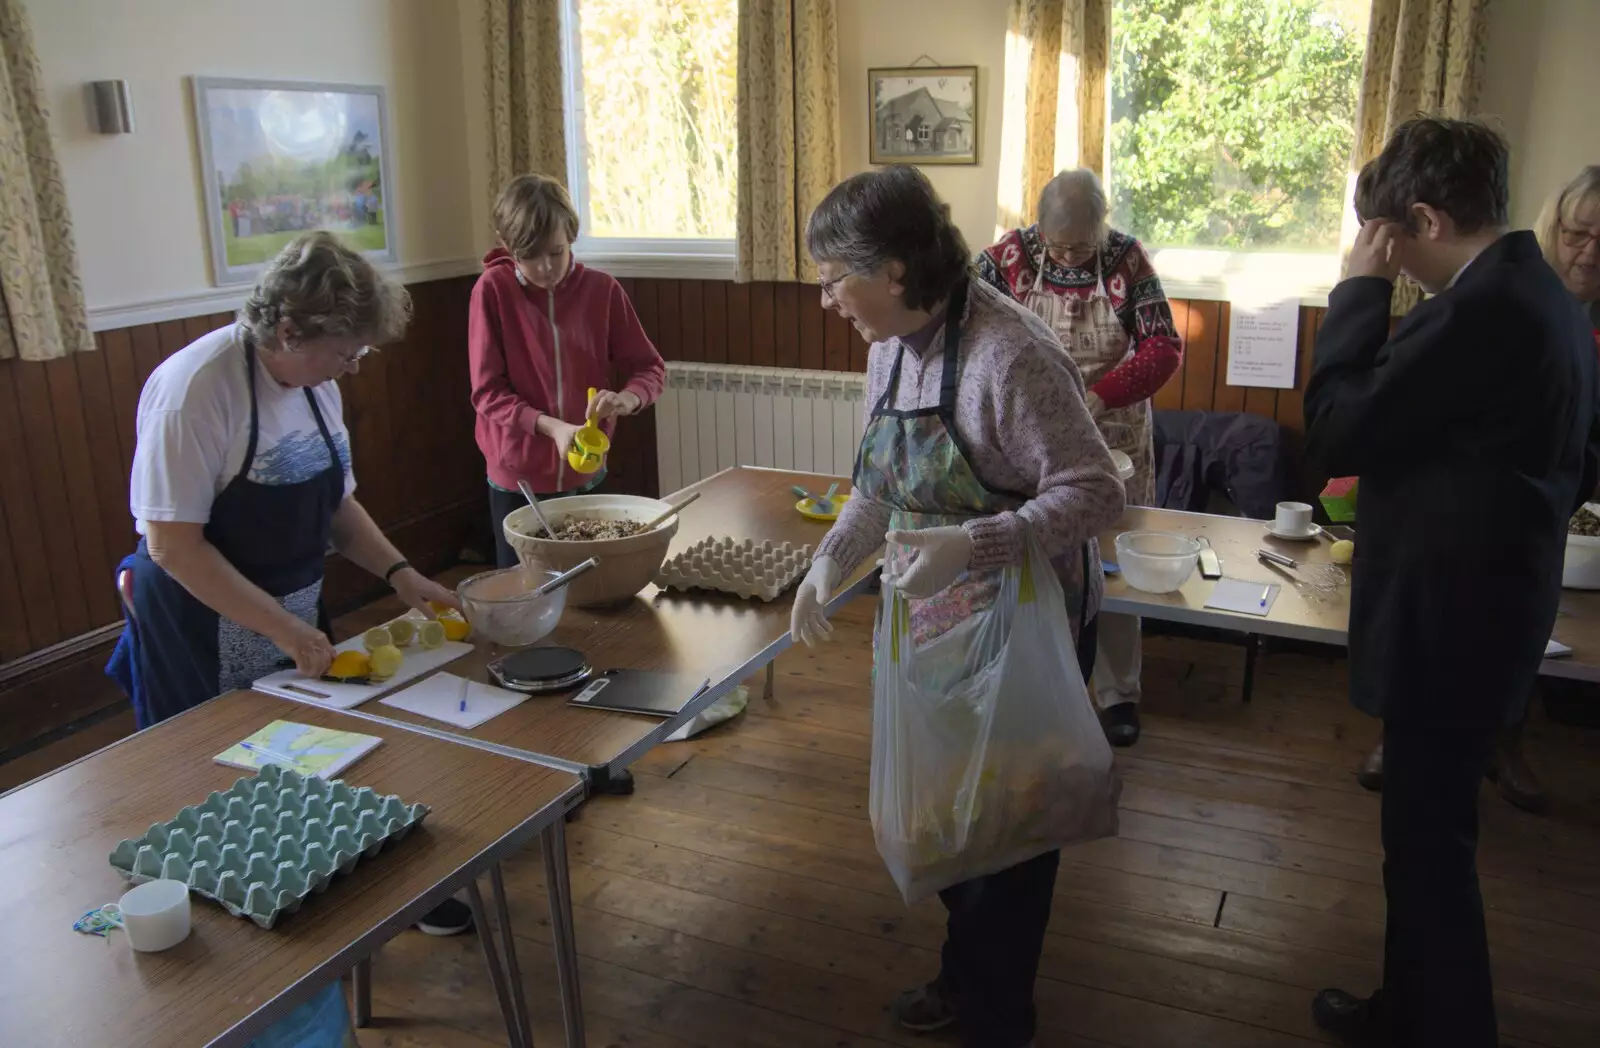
x=737, y=898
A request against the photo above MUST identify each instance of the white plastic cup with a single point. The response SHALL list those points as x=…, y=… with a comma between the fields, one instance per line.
x=155, y=915
x=1294, y=518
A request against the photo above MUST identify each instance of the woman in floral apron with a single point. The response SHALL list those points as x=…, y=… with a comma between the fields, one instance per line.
x=1096, y=289
x=978, y=443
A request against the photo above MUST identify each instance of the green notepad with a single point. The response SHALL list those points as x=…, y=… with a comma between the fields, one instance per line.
x=303, y=747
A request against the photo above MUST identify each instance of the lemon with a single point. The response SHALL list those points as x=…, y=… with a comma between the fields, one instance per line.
x=375, y=638
x=430, y=635
x=386, y=661
x=348, y=664
x=403, y=631
x=455, y=627
x=1343, y=551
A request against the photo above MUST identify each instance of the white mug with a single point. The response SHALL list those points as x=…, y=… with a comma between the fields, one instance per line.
x=155, y=915
x=1294, y=518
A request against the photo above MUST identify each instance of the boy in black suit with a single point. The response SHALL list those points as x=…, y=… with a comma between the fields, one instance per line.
x=1472, y=429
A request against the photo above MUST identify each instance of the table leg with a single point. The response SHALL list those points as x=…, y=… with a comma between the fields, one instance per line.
x=553, y=842
x=1252, y=647
x=519, y=997
x=772, y=676
x=491, y=956
x=361, y=989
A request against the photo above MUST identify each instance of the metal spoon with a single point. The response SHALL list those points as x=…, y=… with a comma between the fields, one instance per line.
x=566, y=577
x=527, y=493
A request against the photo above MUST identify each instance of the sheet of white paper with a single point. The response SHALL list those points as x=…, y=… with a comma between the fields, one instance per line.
x=287, y=684
x=1263, y=343
x=1245, y=598
x=440, y=697
x=1554, y=649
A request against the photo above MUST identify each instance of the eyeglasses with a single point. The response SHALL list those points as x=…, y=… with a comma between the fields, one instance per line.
x=350, y=358
x=1068, y=249
x=1578, y=239
x=827, y=286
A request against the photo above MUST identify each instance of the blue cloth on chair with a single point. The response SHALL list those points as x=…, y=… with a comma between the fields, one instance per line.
x=124, y=665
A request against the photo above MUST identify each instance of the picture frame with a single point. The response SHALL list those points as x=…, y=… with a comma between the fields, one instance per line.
x=280, y=158
x=923, y=115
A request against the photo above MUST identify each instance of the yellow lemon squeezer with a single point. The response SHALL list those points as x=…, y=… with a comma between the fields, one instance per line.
x=589, y=445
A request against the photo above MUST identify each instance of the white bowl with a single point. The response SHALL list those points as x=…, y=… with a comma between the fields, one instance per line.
x=626, y=565
x=502, y=606
x=1156, y=561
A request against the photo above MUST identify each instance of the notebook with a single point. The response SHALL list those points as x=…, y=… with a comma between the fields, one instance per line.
x=1554, y=649
x=639, y=691
x=442, y=696
x=303, y=747
x=1243, y=598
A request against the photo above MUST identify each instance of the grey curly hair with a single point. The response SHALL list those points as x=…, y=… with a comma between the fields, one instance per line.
x=322, y=288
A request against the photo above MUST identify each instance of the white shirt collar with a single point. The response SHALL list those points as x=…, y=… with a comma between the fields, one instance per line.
x=1463, y=269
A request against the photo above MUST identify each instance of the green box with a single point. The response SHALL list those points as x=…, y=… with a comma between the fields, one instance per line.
x=1339, y=500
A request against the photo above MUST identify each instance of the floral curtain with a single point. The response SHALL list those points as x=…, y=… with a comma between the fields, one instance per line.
x=788, y=131
x=1423, y=56
x=527, y=123
x=42, y=314
x=1054, y=113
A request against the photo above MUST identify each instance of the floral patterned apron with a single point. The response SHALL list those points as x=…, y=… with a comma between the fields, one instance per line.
x=1097, y=342
x=915, y=462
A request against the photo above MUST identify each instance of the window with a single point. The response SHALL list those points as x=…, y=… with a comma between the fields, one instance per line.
x=652, y=125
x=1231, y=129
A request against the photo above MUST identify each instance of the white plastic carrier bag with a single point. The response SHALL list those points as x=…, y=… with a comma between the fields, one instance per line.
x=986, y=749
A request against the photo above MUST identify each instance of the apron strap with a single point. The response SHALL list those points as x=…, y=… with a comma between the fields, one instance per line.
x=322, y=427
x=952, y=345
x=255, y=417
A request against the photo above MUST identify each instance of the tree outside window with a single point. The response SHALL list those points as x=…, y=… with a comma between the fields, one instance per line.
x=1232, y=121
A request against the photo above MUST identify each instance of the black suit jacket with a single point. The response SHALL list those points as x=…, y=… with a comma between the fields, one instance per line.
x=1473, y=430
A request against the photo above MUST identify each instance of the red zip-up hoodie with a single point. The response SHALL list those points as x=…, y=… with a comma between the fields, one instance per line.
x=536, y=352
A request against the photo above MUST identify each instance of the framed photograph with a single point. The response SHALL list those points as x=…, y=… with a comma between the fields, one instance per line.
x=924, y=115
x=280, y=158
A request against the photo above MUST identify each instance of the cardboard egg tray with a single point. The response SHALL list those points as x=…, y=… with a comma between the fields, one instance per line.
x=746, y=569
x=267, y=843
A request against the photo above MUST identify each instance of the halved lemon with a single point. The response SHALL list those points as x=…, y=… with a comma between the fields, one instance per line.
x=402, y=631
x=386, y=661
x=349, y=664
x=430, y=634
x=375, y=638
x=455, y=627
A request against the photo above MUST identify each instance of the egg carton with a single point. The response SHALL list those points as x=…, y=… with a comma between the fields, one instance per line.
x=270, y=841
x=746, y=569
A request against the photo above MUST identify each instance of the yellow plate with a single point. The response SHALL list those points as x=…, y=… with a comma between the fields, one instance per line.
x=809, y=509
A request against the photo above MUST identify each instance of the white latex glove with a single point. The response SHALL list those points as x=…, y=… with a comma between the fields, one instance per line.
x=808, y=621
x=942, y=555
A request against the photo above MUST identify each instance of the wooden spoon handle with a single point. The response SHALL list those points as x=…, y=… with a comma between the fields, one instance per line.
x=669, y=512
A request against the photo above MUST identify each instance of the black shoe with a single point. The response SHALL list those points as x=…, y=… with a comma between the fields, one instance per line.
x=924, y=1009
x=451, y=917
x=1122, y=723
x=1356, y=1020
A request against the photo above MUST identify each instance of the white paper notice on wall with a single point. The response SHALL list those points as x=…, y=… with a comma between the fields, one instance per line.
x=1263, y=338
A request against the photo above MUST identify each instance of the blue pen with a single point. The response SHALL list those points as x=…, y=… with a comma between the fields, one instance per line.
x=272, y=755
x=465, y=684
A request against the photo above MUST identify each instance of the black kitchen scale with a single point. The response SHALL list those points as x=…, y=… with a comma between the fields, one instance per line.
x=541, y=671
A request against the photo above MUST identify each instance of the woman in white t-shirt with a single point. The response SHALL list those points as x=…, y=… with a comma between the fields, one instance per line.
x=242, y=483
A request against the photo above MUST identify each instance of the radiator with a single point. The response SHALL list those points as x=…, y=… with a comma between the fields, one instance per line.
x=713, y=417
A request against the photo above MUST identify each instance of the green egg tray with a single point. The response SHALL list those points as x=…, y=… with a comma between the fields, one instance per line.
x=268, y=842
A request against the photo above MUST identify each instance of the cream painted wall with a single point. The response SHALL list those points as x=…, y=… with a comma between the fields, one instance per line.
x=136, y=199
x=879, y=33
x=1541, y=84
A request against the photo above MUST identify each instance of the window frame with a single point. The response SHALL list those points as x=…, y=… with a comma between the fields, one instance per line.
x=687, y=258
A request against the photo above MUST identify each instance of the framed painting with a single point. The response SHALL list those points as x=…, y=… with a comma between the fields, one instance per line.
x=924, y=115
x=279, y=158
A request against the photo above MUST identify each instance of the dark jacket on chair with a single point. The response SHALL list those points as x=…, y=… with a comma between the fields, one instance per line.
x=1473, y=431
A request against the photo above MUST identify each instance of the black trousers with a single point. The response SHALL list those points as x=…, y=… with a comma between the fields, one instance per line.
x=501, y=503
x=995, y=932
x=1437, y=989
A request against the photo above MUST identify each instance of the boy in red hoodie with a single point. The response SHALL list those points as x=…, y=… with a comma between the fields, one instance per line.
x=541, y=332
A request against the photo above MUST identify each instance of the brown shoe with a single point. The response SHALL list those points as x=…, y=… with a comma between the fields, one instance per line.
x=1371, y=773
x=1509, y=771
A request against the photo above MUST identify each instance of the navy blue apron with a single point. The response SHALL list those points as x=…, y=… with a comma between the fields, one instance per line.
x=181, y=652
